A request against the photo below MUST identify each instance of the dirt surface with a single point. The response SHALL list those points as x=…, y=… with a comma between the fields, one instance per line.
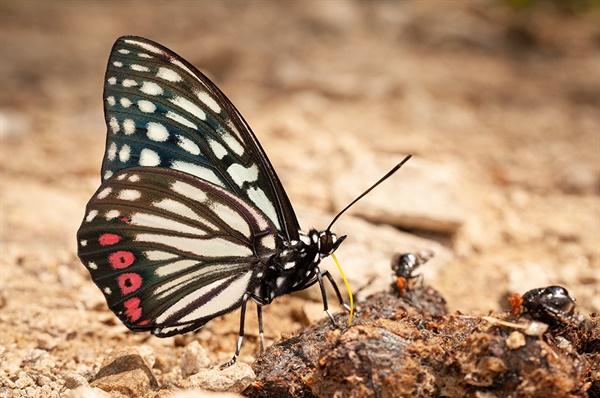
x=509, y=98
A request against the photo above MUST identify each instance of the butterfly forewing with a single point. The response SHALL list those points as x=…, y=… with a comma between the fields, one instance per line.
x=162, y=112
x=171, y=251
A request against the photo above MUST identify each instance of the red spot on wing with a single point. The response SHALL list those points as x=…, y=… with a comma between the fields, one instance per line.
x=108, y=239
x=129, y=282
x=121, y=259
x=132, y=309
x=125, y=219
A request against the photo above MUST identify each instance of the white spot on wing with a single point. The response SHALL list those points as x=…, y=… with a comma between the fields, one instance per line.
x=112, y=214
x=129, y=194
x=118, y=64
x=146, y=106
x=124, y=153
x=240, y=174
x=259, y=198
x=139, y=68
x=91, y=215
x=268, y=241
x=149, y=158
x=145, y=46
x=198, y=171
x=112, y=81
x=218, y=149
x=189, y=107
x=168, y=75
x=104, y=193
x=107, y=291
x=128, y=126
x=92, y=265
x=108, y=174
x=232, y=143
x=208, y=101
x=113, y=124
x=125, y=102
x=188, y=145
x=83, y=243
x=129, y=83
x=157, y=132
x=124, y=51
x=151, y=88
x=111, y=152
x=111, y=100
x=180, y=119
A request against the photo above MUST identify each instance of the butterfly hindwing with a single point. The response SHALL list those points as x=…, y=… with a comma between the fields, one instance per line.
x=162, y=112
x=171, y=251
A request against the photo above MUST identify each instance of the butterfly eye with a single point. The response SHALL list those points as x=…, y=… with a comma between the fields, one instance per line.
x=329, y=242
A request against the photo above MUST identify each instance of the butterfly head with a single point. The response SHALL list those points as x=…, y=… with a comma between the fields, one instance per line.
x=328, y=242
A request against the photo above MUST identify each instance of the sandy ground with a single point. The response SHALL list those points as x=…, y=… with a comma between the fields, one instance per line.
x=506, y=98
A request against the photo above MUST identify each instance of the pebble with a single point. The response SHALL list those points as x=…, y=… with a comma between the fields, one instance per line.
x=197, y=393
x=46, y=342
x=124, y=372
x=194, y=359
x=234, y=378
x=24, y=380
x=74, y=380
x=87, y=392
x=515, y=340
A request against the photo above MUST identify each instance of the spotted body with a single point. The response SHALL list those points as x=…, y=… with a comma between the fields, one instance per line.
x=191, y=220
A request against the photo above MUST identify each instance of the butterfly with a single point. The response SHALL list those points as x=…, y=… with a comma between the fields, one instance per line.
x=190, y=221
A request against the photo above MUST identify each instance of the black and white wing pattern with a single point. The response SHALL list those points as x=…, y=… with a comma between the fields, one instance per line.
x=162, y=112
x=171, y=251
x=190, y=221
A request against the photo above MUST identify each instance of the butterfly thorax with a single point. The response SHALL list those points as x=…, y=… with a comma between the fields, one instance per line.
x=296, y=265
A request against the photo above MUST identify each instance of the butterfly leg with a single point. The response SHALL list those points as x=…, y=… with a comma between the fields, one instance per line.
x=241, y=334
x=324, y=295
x=261, y=332
x=337, y=290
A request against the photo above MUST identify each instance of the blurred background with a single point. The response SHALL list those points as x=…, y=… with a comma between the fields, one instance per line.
x=498, y=101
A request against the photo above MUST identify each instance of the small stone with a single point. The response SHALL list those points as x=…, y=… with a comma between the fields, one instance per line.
x=125, y=372
x=86, y=392
x=197, y=393
x=234, y=378
x=24, y=380
x=74, y=380
x=147, y=354
x=515, y=340
x=43, y=380
x=46, y=342
x=194, y=358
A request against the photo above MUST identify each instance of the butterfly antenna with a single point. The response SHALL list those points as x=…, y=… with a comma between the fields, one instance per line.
x=385, y=177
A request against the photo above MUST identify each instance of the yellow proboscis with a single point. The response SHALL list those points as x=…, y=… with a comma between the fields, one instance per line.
x=347, y=287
